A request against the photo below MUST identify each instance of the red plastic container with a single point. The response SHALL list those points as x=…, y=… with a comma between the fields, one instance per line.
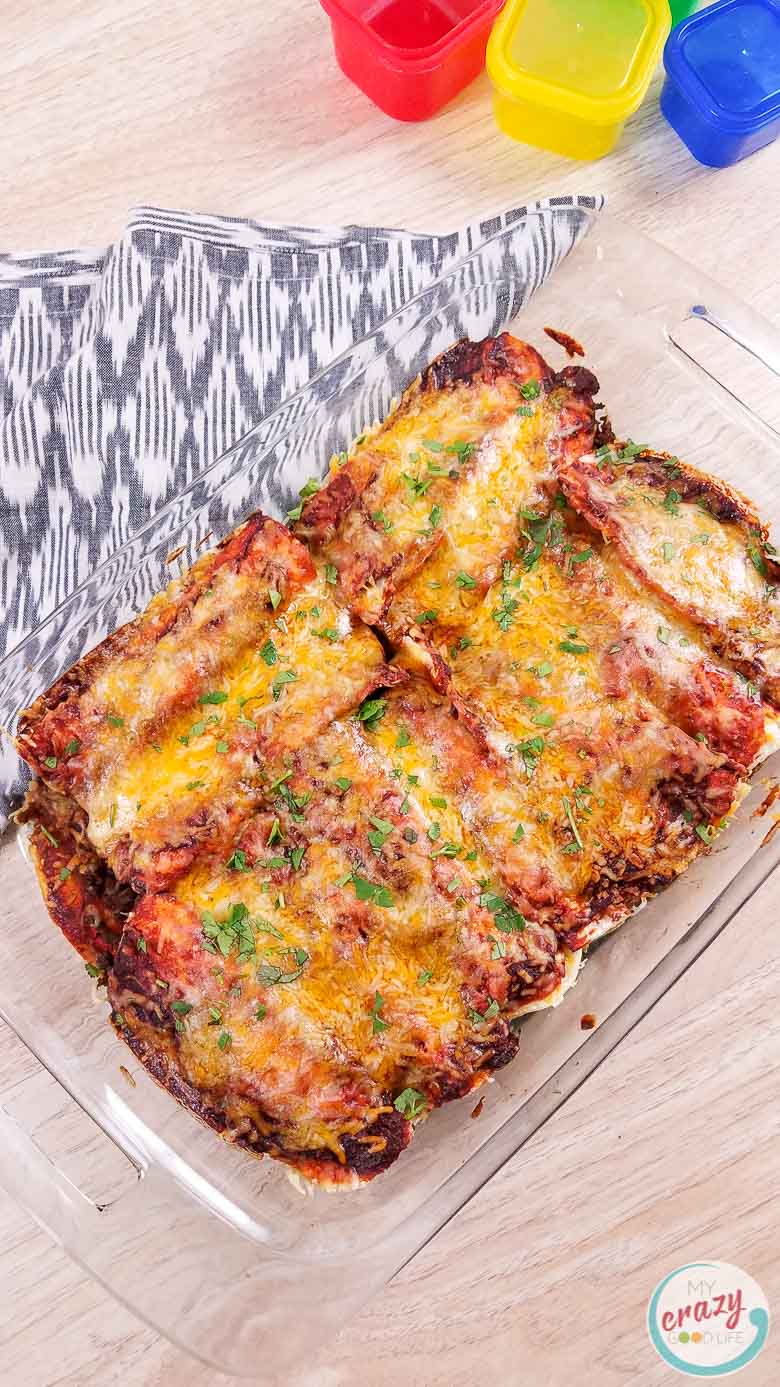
x=411, y=56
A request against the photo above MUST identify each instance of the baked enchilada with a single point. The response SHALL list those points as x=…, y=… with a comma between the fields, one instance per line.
x=352, y=797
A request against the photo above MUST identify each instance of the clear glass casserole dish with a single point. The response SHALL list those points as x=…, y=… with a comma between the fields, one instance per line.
x=228, y=1256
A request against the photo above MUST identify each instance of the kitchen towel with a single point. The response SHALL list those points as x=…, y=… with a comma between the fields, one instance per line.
x=124, y=374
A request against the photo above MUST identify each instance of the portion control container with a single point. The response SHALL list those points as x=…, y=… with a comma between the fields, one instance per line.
x=411, y=56
x=681, y=9
x=722, y=88
x=239, y=1264
x=567, y=74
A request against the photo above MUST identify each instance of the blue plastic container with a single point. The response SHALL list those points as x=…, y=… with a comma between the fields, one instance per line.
x=722, y=88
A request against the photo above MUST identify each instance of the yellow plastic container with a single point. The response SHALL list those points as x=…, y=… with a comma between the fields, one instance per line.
x=567, y=74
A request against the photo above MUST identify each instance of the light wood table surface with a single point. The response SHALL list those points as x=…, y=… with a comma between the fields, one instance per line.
x=670, y=1150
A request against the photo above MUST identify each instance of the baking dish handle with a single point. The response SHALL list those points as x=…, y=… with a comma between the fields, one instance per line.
x=36, y=1183
x=154, y=1248
x=734, y=347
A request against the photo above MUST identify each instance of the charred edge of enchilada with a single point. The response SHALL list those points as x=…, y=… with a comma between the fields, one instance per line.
x=465, y=363
x=660, y=469
x=82, y=895
x=54, y=722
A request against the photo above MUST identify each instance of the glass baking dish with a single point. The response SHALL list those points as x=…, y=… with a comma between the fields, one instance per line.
x=228, y=1256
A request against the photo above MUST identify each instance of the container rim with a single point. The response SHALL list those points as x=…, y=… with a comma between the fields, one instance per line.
x=415, y=60
x=515, y=82
x=680, y=69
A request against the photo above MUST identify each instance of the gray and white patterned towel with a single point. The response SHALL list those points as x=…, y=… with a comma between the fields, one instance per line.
x=124, y=374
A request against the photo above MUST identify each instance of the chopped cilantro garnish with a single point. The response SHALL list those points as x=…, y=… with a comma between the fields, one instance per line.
x=216, y=696
x=427, y=616
x=269, y=653
x=403, y=739
x=72, y=747
x=461, y=449
x=381, y=519
x=518, y=834
x=574, y=647
x=505, y=917
x=668, y=552
x=531, y=390
x=757, y=559
x=181, y=1008
x=235, y=934
x=464, y=580
x=64, y=873
x=225, y=1040
x=380, y=832
x=543, y=719
x=114, y=720
x=477, y=1017
x=286, y=676
x=410, y=1103
x=632, y=450
x=434, y=831
x=529, y=751
x=569, y=812
x=272, y=975
x=297, y=856
x=237, y=862
x=222, y=748
x=327, y=633
x=503, y=615
x=671, y=502
x=51, y=762
x=424, y=976
x=524, y=411
x=343, y=782
x=377, y=1024
x=331, y=574
x=447, y=850
x=371, y=711
x=366, y=890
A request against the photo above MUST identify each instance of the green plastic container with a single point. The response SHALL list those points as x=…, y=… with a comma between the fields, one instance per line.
x=681, y=9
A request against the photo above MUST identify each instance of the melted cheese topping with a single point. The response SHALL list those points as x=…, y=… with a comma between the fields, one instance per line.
x=298, y=673
x=714, y=570
x=427, y=948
